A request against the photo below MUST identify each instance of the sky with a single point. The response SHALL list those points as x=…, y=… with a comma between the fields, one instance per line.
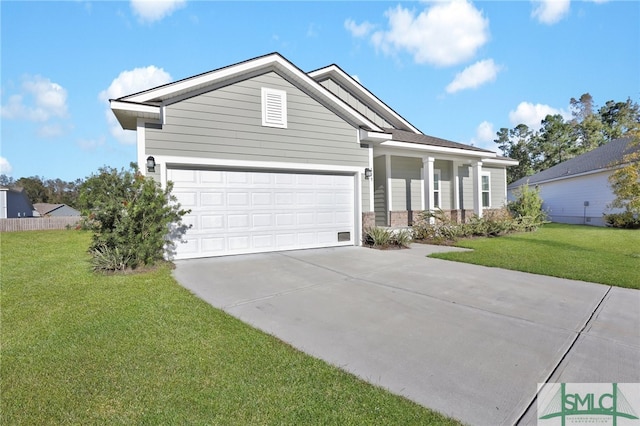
x=458, y=70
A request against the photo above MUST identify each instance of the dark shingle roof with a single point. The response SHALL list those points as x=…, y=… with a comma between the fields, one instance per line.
x=600, y=158
x=404, y=136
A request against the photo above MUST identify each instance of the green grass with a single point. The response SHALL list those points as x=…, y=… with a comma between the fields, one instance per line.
x=79, y=348
x=600, y=255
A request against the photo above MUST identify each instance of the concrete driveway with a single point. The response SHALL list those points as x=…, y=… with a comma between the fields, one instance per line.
x=469, y=341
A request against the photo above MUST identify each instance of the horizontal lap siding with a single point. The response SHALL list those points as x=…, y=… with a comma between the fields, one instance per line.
x=227, y=124
x=498, y=189
x=406, y=181
x=347, y=97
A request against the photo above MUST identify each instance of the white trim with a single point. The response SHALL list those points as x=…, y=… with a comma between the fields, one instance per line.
x=140, y=145
x=476, y=173
x=387, y=166
x=134, y=107
x=455, y=176
x=357, y=209
x=487, y=174
x=501, y=162
x=427, y=176
x=438, y=173
x=175, y=162
x=370, y=136
x=438, y=149
x=372, y=205
x=273, y=62
x=332, y=71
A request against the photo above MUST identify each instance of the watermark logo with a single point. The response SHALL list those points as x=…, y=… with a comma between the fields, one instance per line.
x=574, y=404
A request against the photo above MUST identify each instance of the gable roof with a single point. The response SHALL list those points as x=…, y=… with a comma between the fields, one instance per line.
x=148, y=104
x=357, y=90
x=601, y=158
x=46, y=208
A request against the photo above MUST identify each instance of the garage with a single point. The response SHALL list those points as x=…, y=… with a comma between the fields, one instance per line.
x=253, y=211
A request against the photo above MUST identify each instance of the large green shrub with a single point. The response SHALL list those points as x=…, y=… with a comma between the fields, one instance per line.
x=527, y=207
x=131, y=217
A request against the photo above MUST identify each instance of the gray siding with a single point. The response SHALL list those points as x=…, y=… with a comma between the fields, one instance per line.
x=498, y=189
x=406, y=183
x=380, y=192
x=227, y=124
x=347, y=97
x=466, y=188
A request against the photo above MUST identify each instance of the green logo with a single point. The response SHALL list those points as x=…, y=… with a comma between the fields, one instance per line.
x=587, y=403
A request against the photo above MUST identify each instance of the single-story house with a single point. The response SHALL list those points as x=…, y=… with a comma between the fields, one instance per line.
x=47, y=209
x=577, y=191
x=269, y=157
x=14, y=203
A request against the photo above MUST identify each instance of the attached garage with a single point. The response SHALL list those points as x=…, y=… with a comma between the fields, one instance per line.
x=252, y=211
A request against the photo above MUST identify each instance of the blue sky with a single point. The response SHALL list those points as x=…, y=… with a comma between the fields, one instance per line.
x=458, y=70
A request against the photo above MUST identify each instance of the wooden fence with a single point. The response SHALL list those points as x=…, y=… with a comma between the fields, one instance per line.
x=38, y=223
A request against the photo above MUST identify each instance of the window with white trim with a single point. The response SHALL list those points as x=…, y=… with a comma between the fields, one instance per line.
x=486, y=189
x=436, y=189
x=274, y=108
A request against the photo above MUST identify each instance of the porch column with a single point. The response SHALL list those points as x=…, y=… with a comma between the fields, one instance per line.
x=427, y=178
x=476, y=172
x=387, y=166
x=456, y=186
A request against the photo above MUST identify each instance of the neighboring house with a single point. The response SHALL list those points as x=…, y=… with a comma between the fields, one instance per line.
x=268, y=157
x=14, y=203
x=577, y=191
x=46, y=209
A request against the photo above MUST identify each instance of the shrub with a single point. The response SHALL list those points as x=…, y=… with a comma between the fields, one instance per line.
x=385, y=237
x=436, y=226
x=527, y=208
x=626, y=220
x=130, y=216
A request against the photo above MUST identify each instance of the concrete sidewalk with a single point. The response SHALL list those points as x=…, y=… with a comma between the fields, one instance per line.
x=469, y=341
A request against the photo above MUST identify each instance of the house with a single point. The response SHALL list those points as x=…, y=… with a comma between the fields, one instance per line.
x=577, y=191
x=14, y=203
x=46, y=209
x=269, y=157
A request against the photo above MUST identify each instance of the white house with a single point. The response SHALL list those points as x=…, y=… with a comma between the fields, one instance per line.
x=577, y=191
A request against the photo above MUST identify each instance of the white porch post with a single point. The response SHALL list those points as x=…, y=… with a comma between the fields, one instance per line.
x=387, y=166
x=427, y=177
x=456, y=186
x=477, y=187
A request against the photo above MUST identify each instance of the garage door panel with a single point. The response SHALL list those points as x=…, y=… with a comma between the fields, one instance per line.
x=247, y=212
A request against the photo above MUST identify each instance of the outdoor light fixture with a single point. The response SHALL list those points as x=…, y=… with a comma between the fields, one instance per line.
x=151, y=164
x=368, y=173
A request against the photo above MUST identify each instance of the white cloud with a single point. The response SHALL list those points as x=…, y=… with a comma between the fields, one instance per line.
x=550, y=11
x=444, y=34
x=532, y=115
x=91, y=144
x=485, y=135
x=127, y=83
x=358, y=30
x=40, y=100
x=5, y=167
x=474, y=76
x=154, y=10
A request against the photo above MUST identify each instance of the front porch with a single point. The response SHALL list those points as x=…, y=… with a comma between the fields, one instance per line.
x=405, y=185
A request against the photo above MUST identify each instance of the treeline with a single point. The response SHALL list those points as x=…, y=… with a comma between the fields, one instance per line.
x=41, y=190
x=559, y=140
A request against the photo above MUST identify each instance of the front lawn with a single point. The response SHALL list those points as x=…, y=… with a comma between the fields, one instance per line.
x=79, y=348
x=587, y=253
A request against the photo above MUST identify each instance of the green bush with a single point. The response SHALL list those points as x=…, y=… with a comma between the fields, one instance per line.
x=384, y=237
x=131, y=217
x=626, y=220
x=527, y=208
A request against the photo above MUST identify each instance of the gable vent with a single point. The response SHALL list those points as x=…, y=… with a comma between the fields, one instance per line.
x=274, y=108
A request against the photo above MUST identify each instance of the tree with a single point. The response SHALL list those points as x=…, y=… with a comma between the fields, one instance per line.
x=516, y=144
x=619, y=118
x=625, y=181
x=131, y=217
x=587, y=125
x=554, y=143
x=34, y=188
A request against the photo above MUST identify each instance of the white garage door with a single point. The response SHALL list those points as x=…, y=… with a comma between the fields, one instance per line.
x=237, y=212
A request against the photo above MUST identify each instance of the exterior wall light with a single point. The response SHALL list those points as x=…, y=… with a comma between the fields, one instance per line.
x=151, y=164
x=368, y=173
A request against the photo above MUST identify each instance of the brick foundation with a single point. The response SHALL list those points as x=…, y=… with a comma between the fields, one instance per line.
x=368, y=221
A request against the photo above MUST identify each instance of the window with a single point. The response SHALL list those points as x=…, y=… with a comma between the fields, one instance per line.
x=436, y=189
x=486, y=189
x=274, y=108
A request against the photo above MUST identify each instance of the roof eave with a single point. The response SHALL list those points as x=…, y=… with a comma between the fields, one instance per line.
x=128, y=113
